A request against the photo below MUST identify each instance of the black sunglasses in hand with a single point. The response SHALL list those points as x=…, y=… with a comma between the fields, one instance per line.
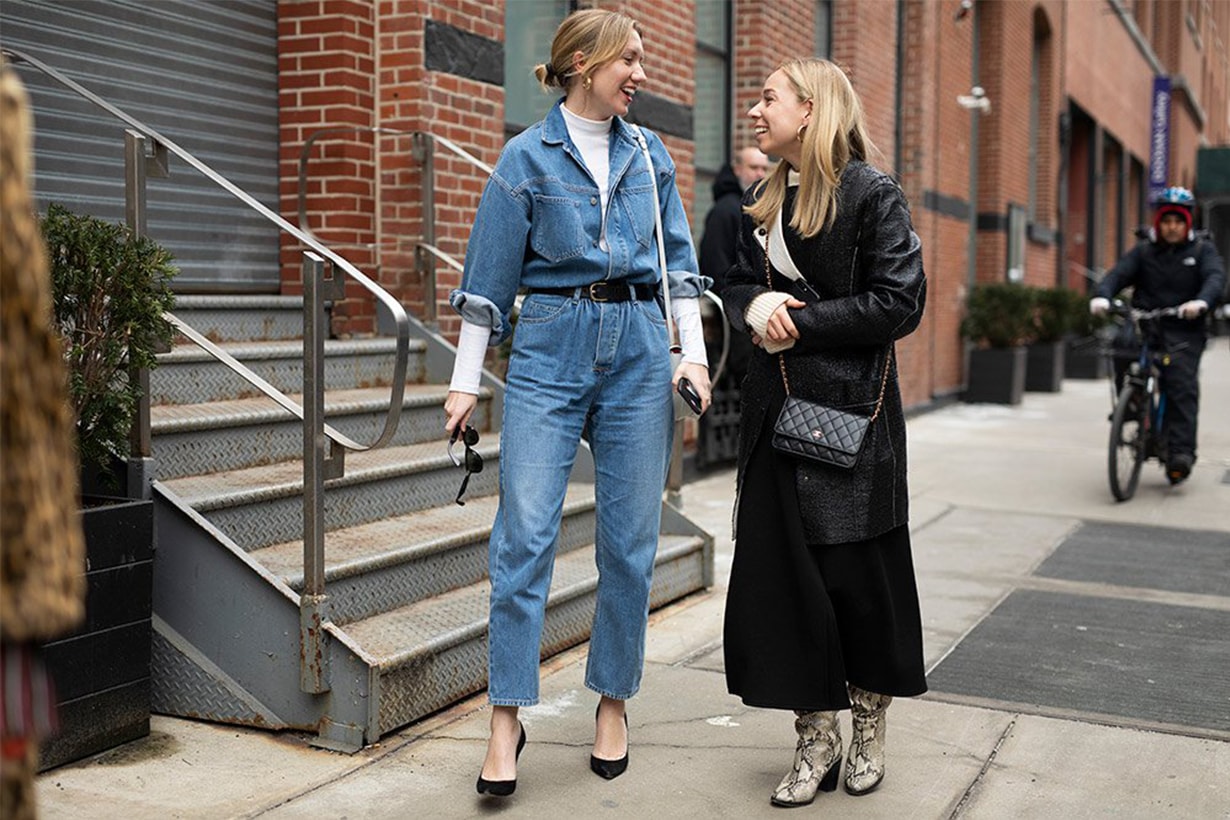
x=473, y=462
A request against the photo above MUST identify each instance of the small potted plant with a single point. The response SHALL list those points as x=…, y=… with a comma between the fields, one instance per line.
x=999, y=322
x=1053, y=320
x=110, y=289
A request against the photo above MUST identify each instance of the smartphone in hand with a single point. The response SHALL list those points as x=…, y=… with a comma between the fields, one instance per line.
x=690, y=395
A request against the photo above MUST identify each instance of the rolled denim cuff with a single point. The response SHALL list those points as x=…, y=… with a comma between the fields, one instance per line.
x=686, y=284
x=479, y=310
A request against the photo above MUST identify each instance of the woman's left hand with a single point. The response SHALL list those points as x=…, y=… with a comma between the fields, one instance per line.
x=780, y=326
x=698, y=375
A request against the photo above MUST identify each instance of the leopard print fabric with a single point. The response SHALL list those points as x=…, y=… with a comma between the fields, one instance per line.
x=42, y=552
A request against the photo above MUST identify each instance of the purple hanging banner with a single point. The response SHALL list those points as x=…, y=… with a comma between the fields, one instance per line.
x=1159, y=137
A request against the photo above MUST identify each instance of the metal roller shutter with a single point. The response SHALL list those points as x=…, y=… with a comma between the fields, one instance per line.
x=202, y=72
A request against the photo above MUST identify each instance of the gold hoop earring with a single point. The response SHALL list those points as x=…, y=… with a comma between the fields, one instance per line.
x=798, y=133
x=587, y=83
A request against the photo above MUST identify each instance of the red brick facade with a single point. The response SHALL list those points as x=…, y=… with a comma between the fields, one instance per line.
x=1066, y=137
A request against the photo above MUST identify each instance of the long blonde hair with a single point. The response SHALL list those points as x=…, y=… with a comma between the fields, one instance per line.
x=836, y=134
x=598, y=34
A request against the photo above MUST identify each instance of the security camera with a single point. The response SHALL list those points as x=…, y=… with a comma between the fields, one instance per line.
x=963, y=10
x=976, y=99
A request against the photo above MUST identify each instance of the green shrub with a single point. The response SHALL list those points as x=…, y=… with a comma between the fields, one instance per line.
x=999, y=314
x=1055, y=313
x=110, y=289
x=1082, y=322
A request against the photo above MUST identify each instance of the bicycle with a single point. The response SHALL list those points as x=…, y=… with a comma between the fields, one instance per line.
x=1137, y=426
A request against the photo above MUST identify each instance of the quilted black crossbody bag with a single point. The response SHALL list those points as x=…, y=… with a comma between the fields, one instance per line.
x=805, y=429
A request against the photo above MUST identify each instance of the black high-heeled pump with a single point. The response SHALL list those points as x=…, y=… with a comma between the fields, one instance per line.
x=501, y=788
x=609, y=769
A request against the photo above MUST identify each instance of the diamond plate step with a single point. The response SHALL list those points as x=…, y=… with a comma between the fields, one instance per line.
x=190, y=439
x=259, y=506
x=387, y=564
x=189, y=375
x=242, y=318
x=434, y=652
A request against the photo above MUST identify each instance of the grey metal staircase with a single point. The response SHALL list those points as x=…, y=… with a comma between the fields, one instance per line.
x=406, y=568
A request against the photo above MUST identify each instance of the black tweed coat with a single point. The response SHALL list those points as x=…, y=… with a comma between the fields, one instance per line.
x=867, y=269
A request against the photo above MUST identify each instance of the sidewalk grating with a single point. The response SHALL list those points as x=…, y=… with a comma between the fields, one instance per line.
x=1143, y=661
x=1192, y=561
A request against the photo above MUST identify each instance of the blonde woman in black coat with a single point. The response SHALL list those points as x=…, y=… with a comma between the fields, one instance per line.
x=822, y=612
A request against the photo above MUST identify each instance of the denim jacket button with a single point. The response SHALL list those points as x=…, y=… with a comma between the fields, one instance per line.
x=593, y=200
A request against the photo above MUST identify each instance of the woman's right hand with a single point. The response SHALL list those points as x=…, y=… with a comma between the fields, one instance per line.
x=458, y=407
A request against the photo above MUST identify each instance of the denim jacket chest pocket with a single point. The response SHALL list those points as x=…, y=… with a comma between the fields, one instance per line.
x=557, y=231
x=635, y=201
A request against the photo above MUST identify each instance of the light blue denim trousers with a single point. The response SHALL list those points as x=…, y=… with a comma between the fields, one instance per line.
x=603, y=368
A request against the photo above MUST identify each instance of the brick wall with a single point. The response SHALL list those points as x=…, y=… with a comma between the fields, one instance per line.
x=764, y=35
x=365, y=63
x=325, y=80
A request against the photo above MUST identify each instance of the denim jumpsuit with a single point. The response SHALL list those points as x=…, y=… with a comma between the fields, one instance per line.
x=576, y=364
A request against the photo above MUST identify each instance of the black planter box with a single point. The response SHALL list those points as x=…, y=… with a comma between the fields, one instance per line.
x=996, y=375
x=1044, y=363
x=102, y=671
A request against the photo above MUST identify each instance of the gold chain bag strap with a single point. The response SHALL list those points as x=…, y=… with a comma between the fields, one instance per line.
x=812, y=431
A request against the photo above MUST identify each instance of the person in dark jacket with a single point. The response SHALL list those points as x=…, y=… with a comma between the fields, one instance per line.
x=716, y=437
x=717, y=245
x=1173, y=268
x=822, y=610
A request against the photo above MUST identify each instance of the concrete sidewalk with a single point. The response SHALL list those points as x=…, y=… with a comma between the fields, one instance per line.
x=1005, y=504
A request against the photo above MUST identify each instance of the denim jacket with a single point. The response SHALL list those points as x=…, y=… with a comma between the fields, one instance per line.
x=539, y=223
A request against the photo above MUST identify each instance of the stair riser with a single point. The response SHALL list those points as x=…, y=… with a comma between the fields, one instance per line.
x=388, y=588
x=272, y=521
x=221, y=325
x=433, y=681
x=200, y=382
x=234, y=448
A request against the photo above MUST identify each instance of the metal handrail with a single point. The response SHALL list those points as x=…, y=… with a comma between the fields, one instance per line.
x=426, y=252
x=424, y=153
x=321, y=459
x=395, y=308
x=265, y=387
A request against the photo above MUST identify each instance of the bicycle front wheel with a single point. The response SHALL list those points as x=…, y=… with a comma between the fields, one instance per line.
x=1127, y=442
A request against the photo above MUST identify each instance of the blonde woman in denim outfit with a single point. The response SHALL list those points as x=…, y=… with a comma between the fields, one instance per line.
x=568, y=217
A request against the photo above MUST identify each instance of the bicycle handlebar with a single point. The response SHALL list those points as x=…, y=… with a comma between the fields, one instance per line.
x=1123, y=309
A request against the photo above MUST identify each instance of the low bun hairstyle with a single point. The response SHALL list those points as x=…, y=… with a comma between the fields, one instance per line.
x=598, y=34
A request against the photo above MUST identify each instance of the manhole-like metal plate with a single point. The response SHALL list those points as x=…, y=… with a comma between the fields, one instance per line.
x=1191, y=561
x=1144, y=661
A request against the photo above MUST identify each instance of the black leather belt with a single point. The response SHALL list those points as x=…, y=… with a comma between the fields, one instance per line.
x=604, y=292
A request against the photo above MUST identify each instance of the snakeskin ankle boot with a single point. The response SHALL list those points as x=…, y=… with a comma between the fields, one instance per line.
x=865, y=761
x=817, y=760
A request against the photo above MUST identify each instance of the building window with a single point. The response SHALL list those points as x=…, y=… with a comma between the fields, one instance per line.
x=529, y=26
x=1016, y=243
x=824, y=28
x=711, y=112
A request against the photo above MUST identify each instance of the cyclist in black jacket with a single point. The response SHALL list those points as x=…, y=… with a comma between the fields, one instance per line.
x=1173, y=268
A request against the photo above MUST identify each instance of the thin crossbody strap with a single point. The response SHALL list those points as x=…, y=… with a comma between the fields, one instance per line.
x=781, y=359
x=657, y=220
